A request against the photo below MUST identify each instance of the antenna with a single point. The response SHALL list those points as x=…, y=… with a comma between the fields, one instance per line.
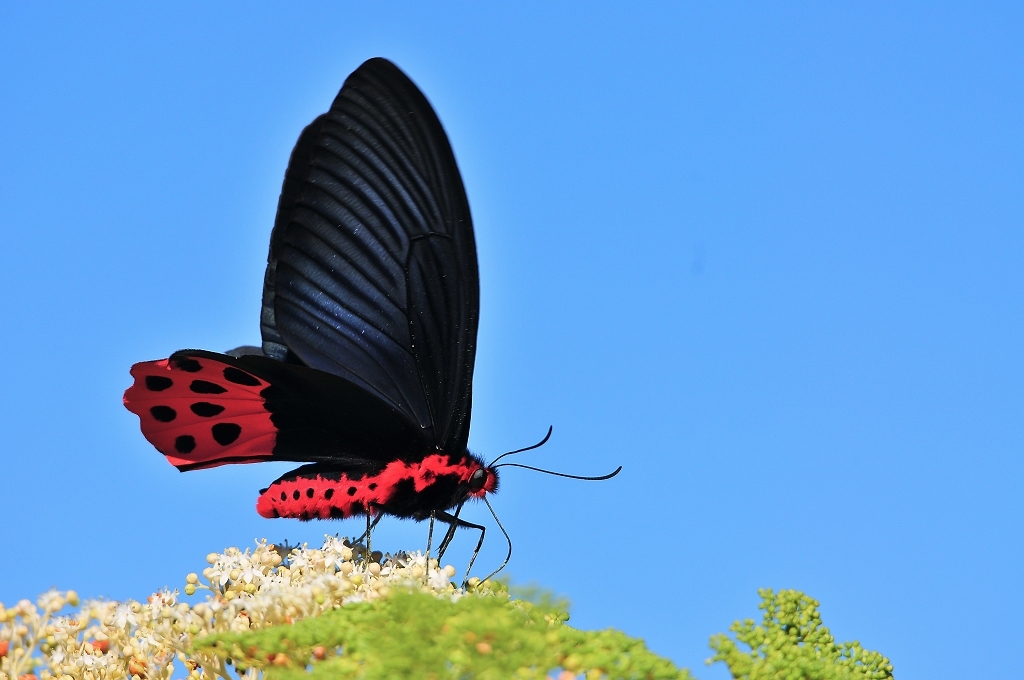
x=562, y=474
x=539, y=444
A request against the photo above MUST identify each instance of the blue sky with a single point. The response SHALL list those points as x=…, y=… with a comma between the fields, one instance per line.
x=765, y=256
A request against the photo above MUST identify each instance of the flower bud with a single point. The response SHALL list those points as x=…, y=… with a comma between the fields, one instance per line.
x=137, y=667
x=212, y=558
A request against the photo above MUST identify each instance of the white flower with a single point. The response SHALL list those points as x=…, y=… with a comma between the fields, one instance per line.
x=123, y=616
x=438, y=579
x=300, y=558
x=335, y=552
x=220, y=573
x=250, y=573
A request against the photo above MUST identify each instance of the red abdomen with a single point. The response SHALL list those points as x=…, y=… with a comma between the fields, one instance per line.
x=400, y=489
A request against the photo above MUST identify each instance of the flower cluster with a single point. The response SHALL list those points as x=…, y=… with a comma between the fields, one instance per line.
x=247, y=590
x=284, y=613
x=792, y=642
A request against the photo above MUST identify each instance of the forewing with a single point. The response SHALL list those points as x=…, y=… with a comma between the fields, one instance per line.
x=372, y=274
x=202, y=409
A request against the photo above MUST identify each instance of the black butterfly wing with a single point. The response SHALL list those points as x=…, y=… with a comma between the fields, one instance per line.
x=372, y=273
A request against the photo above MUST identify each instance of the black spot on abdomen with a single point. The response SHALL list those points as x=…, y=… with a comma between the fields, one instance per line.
x=206, y=409
x=351, y=491
x=225, y=433
x=296, y=494
x=329, y=494
x=240, y=377
x=206, y=387
x=187, y=364
x=164, y=414
x=186, y=443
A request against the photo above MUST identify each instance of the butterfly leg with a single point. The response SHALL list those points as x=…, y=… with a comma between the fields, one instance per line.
x=430, y=537
x=449, y=534
x=376, y=519
x=453, y=521
x=369, y=551
x=366, y=534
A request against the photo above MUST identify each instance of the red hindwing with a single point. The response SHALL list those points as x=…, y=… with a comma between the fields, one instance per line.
x=200, y=412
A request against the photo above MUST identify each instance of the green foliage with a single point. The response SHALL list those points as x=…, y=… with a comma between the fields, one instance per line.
x=484, y=634
x=792, y=644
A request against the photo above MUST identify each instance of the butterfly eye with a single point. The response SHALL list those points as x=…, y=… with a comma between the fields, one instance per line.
x=476, y=482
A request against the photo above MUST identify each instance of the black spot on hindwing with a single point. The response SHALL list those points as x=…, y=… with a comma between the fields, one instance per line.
x=185, y=443
x=164, y=414
x=205, y=387
x=206, y=409
x=238, y=377
x=187, y=364
x=225, y=433
x=158, y=383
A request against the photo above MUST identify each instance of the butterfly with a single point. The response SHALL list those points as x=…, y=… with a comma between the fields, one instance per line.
x=368, y=322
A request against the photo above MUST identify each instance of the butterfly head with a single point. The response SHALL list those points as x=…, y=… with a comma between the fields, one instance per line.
x=482, y=481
